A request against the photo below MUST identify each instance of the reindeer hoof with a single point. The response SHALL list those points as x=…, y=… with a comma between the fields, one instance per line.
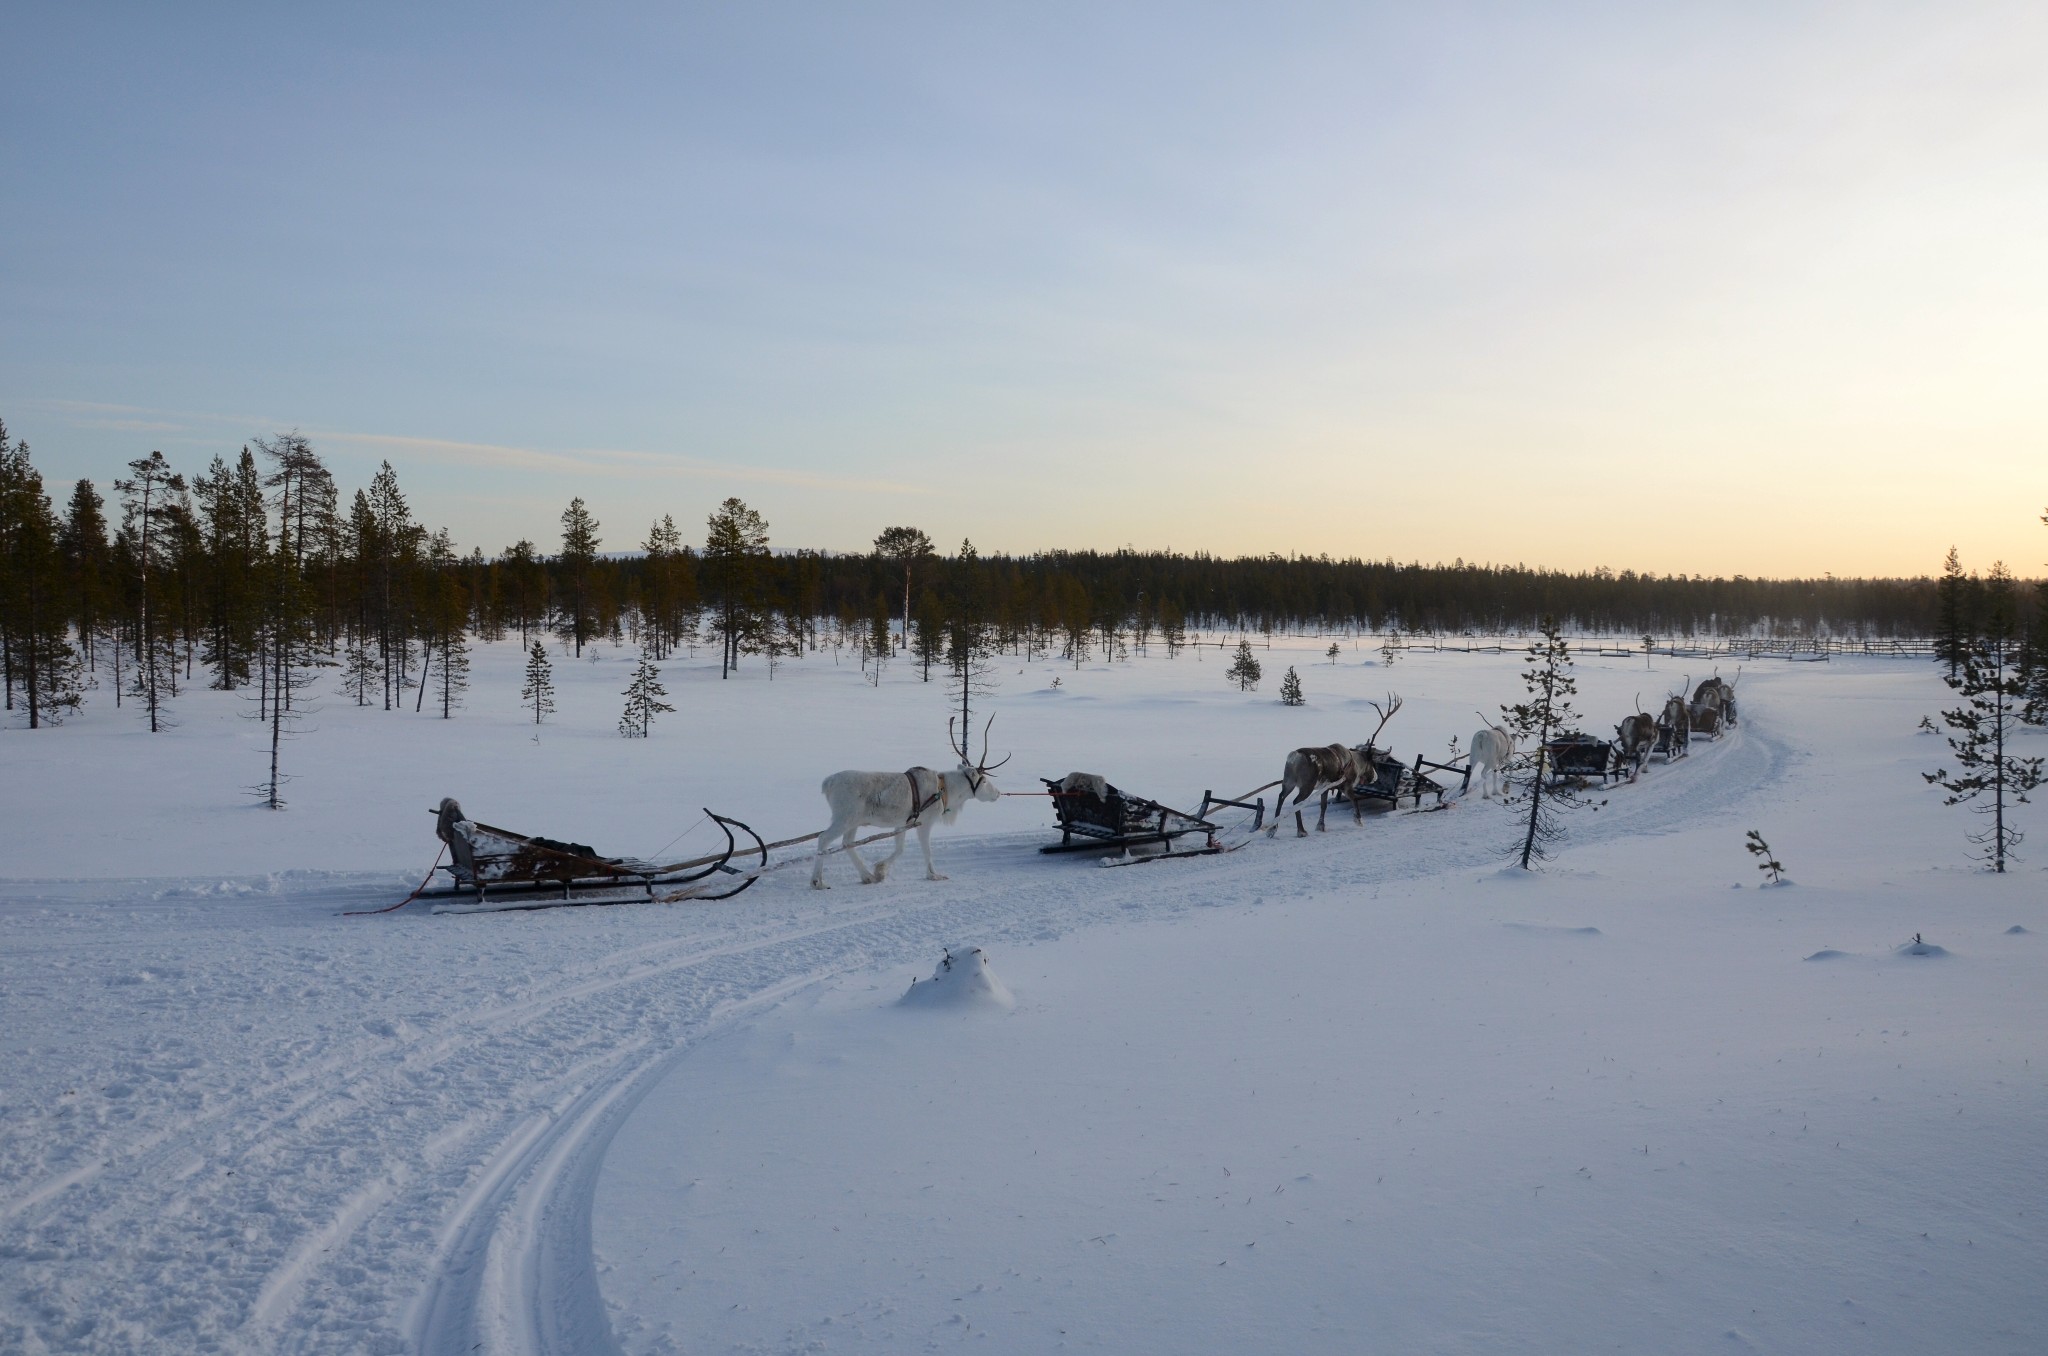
x=936, y=876
x=819, y=885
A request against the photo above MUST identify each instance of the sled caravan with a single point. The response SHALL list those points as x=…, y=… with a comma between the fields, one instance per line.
x=1092, y=815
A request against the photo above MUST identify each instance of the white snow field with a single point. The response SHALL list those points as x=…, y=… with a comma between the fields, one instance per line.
x=1363, y=1092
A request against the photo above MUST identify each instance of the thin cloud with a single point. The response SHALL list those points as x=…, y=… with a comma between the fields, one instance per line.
x=622, y=464
x=608, y=462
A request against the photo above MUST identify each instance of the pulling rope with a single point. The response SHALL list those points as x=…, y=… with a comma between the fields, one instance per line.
x=365, y=913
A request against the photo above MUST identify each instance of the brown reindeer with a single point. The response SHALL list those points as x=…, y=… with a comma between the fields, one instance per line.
x=1320, y=771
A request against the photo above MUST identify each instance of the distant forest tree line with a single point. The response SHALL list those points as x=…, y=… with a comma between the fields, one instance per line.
x=257, y=570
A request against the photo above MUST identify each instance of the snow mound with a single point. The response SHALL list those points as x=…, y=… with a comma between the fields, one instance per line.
x=2017, y=931
x=1916, y=947
x=1827, y=954
x=964, y=979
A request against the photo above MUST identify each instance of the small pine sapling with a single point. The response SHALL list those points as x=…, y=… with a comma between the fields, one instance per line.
x=1773, y=869
x=1244, y=670
x=1290, y=688
x=1387, y=651
x=643, y=701
x=539, y=692
x=1649, y=649
x=1926, y=725
x=1534, y=722
x=1332, y=652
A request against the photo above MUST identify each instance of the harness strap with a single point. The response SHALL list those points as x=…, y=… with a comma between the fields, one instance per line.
x=918, y=805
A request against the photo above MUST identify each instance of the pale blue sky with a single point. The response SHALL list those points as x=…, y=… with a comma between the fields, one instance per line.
x=1748, y=280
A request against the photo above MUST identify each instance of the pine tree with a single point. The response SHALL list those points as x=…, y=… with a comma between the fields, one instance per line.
x=286, y=625
x=1244, y=670
x=579, y=553
x=454, y=669
x=930, y=644
x=236, y=527
x=394, y=543
x=2034, y=657
x=1332, y=652
x=33, y=624
x=906, y=546
x=1547, y=713
x=146, y=504
x=877, y=639
x=1951, y=615
x=88, y=562
x=735, y=545
x=1993, y=691
x=1173, y=629
x=643, y=701
x=539, y=692
x=1290, y=688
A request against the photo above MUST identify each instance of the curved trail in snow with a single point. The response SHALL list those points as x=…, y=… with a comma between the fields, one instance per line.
x=538, y=1292
x=441, y=1128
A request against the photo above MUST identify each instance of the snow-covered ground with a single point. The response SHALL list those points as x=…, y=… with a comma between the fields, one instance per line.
x=1362, y=1092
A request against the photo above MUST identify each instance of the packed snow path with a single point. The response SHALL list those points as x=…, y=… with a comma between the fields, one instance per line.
x=319, y=1133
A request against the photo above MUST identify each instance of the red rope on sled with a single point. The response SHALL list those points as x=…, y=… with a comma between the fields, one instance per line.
x=365, y=913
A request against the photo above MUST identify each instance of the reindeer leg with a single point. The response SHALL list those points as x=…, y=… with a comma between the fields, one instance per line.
x=818, y=858
x=868, y=876
x=924, y=840
x=882, y=867
x=1322, y=812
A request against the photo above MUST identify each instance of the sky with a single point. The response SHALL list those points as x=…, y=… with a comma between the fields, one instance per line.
x=1701, y=288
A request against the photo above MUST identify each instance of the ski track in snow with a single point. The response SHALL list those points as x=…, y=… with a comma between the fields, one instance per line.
x=403, y=1158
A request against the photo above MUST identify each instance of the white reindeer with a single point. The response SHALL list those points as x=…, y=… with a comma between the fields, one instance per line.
x=902, y=801
x=1490, y=750
x=1636, y=736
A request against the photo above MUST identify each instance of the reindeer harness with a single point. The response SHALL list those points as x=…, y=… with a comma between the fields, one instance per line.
x=919, y=804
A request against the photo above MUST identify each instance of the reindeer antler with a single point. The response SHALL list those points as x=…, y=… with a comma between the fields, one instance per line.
x=1386, y=714
x=958, y=746
x=983, y=765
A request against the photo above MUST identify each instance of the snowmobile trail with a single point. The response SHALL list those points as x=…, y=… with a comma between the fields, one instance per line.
x=438, y=1095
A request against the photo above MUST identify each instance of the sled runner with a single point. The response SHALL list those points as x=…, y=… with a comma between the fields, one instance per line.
x=1094, y=816
x=485, y=858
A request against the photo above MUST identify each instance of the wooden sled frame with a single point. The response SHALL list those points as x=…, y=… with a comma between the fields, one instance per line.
x=1120, y=821
x=488, y=858
x=1582, y=755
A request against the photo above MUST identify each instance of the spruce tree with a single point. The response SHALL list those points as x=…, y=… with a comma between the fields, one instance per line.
x=1547, y=713
x=539, y=692
x=1290, y=688
x=643, y=701
x=1244, y=670
x=1993, y=691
